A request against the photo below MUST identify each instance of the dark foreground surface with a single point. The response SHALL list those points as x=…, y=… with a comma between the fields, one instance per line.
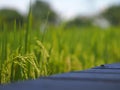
x=104, y=77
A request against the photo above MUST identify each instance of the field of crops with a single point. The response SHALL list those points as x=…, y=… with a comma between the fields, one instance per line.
x=29, y=54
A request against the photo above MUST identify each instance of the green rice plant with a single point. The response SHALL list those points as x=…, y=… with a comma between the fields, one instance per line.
x=18, y=68
x=44, y=28
x=3, y=48
x=28, y=31
x=29, y=54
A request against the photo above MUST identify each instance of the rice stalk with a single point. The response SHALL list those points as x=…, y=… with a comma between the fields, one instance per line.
x=27, y=33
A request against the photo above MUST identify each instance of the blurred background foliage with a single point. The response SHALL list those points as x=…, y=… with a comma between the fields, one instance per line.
x=9, y=16
x=42, y=12
x=112, y=14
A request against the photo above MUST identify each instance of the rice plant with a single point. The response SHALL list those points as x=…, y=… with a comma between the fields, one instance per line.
x=24, y=55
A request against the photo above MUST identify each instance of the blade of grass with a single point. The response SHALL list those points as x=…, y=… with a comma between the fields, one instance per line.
x=29, y=24
x=44, y=29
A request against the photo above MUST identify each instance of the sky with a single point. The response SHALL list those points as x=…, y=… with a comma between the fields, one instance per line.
x=65, y=8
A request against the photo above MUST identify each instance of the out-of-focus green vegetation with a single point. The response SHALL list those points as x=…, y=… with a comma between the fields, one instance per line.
x=9, y=16
x=39, y=10
x=79, y=22
x=112, y=14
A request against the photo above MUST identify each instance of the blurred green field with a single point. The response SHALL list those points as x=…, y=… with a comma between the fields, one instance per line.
x=29, y=54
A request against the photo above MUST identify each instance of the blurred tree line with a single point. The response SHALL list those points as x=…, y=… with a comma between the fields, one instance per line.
x=112, y=14
x=42, y=13
x=9, y=17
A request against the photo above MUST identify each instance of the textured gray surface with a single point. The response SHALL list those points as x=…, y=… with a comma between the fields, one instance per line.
x=99, y=78
x=47, y=84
